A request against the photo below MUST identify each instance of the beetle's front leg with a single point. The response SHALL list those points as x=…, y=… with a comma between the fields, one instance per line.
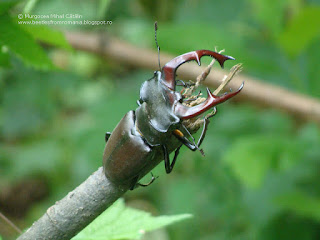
x=206, y=122
x=192, y=146
x=169, y=166
x=178, y=134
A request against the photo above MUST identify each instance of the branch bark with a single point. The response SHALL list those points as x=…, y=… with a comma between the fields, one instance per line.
x=255, y=91
x=76, y=210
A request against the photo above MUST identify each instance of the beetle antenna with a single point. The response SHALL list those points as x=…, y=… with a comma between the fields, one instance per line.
x=155, y=38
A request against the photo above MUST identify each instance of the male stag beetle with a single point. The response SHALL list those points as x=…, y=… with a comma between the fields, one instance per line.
x=145, y=137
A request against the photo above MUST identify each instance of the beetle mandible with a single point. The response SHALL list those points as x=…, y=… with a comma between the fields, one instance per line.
x=146, y=136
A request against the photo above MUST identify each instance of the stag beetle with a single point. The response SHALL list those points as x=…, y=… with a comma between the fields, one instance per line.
x=143, y=138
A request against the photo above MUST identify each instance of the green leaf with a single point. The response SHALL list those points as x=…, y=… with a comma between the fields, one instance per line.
x=301, y=203
x=269, y=13
x=301, y=31
x=121, y=222
x=138, y=32
x=214, y=36
x=4, y=57
x=22, y=44
x=29, y=159
x=103, y=7
x=248, y=161
x=252, y=157
x=30, y=4
x=312, y=70
x=47, y=35
x=5, y=5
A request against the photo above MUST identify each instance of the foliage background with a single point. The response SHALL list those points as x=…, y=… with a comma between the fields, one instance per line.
x=259, y=179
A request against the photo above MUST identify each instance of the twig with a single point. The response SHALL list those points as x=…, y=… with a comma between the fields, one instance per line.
x=227, y=78
x=202, y=77
x=75, y=211
x=255, y=91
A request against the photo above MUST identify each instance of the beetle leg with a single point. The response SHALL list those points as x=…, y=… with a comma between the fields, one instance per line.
x=192, y=146
x=147, y=184
x=206, y=122
x=178, y=134
x=134, y=183
x=169, y=166
x=138, y=184
x=179, y=82
x=193, y=140
x=108, y=134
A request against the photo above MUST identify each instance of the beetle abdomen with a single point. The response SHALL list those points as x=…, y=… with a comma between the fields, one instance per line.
x=125, y=154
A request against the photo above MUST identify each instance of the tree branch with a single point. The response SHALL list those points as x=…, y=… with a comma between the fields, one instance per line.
x=75, y=211
x=255, y=91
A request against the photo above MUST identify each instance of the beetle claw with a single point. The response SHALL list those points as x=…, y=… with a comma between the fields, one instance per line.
x=169, y=70
x=153, y=177
x=212, y=100
x=202, y=152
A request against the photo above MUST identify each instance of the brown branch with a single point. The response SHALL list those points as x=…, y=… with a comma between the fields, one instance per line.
x=76, y=210
x=255, y=91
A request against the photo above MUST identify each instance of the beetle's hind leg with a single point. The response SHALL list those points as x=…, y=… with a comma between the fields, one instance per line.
x=136, y=184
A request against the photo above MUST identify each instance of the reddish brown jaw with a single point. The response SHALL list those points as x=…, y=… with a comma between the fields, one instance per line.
x=169, y=70
x=184, y=112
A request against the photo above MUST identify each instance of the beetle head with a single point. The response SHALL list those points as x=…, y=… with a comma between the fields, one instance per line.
x=160, y=105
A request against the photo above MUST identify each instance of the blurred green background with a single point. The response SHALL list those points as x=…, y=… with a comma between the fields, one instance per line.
x=260, y=177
